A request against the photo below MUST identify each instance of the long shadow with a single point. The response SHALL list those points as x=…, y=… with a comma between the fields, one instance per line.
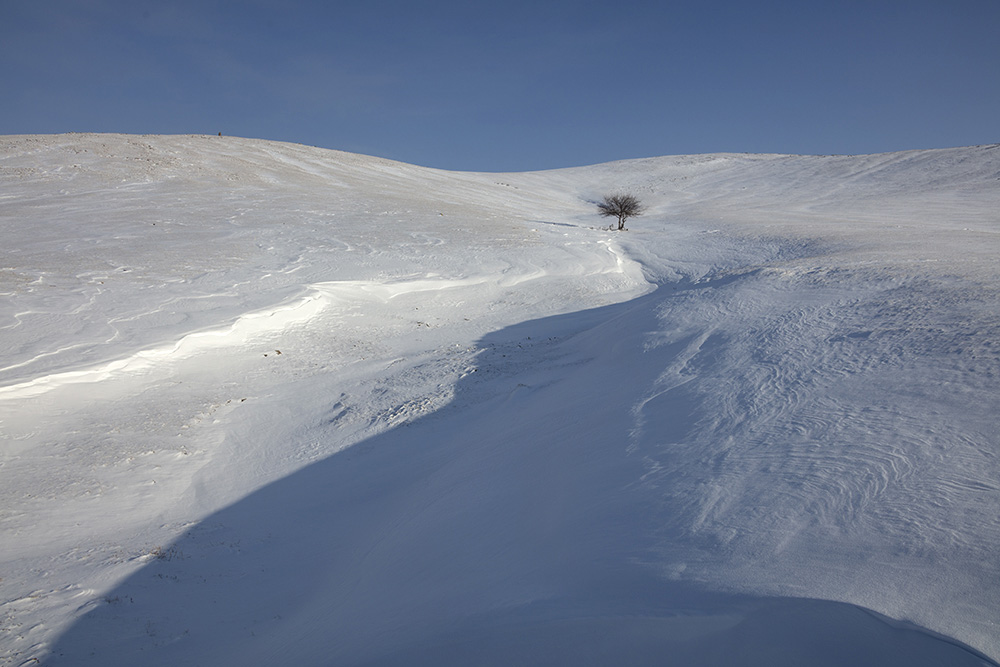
x=507, y=528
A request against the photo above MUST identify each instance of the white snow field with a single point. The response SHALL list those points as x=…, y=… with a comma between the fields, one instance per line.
x=266, y=404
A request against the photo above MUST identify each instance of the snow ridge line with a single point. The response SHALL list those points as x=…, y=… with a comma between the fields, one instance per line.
x=274, y=319
x=245, y=327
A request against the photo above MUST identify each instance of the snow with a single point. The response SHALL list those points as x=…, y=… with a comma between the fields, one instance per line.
x=263, y=402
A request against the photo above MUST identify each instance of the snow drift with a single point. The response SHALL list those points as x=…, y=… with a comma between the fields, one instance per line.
x=263, y=402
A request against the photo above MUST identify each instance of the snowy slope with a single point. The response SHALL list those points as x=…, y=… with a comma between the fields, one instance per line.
x=267, y=402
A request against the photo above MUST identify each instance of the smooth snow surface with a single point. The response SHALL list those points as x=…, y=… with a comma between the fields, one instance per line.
x=268, y=404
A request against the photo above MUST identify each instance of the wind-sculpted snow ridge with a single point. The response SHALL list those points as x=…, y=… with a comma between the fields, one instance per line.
x=268, y=322
x=267, y=403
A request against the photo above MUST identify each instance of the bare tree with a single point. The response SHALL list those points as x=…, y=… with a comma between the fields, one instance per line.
x=621, y=207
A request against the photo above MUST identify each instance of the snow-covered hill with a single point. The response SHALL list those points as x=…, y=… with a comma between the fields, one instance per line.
x=262, y=402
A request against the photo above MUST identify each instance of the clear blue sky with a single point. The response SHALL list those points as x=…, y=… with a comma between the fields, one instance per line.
x=511, y=84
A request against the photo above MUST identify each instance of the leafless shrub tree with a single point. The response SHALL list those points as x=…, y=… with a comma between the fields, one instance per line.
x=621, y=207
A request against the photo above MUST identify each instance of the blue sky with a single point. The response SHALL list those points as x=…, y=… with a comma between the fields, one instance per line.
x=510, y=85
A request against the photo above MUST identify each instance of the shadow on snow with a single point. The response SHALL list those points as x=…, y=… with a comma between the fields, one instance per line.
x=510, y=527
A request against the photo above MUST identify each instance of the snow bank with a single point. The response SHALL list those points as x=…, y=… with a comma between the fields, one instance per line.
x=267, y=402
